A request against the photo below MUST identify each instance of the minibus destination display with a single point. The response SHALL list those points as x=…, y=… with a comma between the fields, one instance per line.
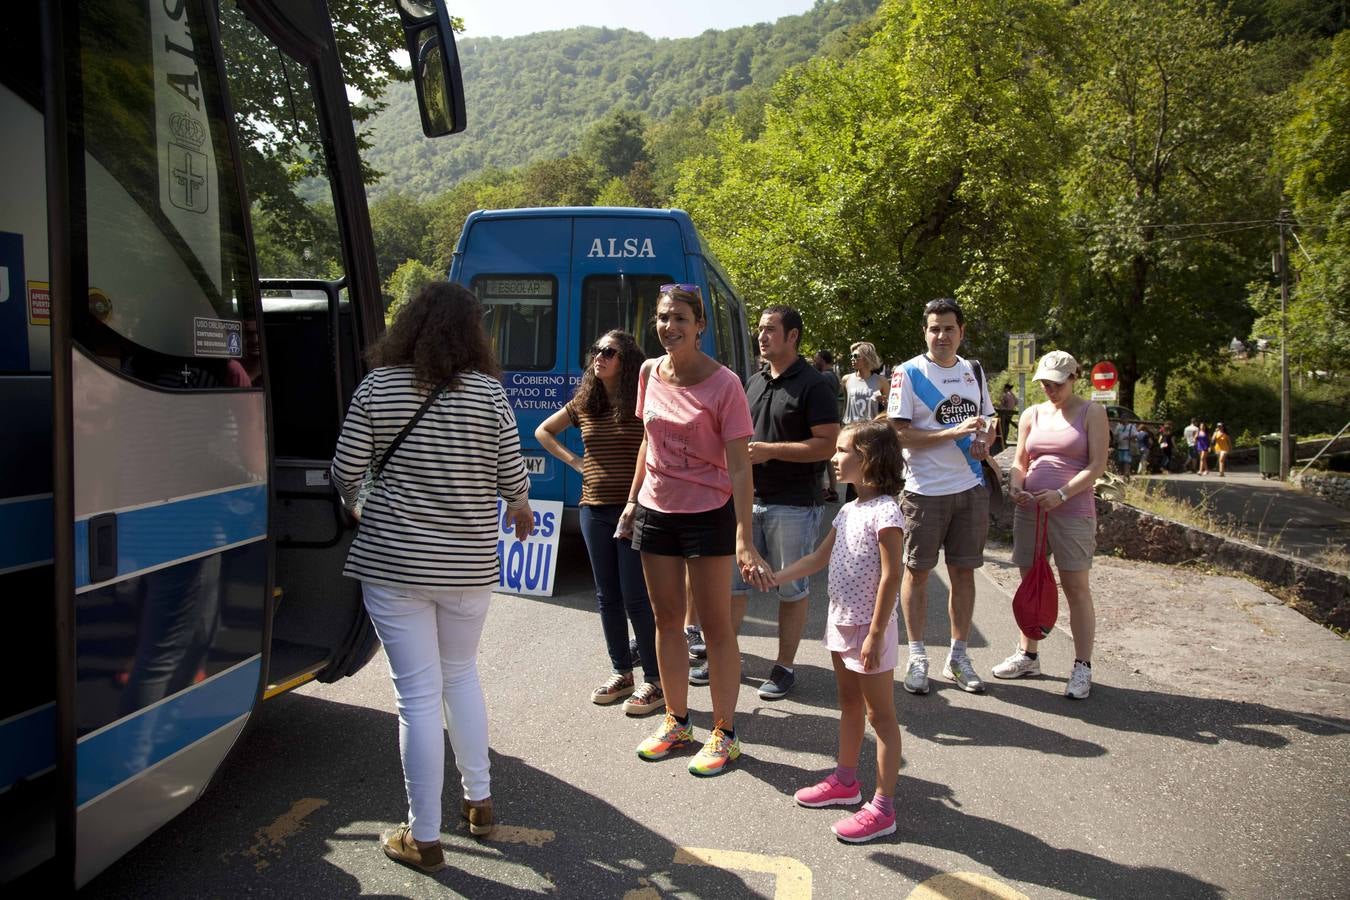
x=499, y=289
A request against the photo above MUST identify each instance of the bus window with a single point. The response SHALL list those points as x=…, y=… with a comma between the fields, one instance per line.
x=520, y=316
x=170, y=295
x=626, y=302
x=732, y=338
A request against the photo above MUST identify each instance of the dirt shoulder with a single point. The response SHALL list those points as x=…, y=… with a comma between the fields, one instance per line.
x=1204, y=634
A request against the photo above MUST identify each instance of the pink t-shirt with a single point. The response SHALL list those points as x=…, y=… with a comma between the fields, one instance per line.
x=855, y=561
x=687, y=432
x=1059, y=452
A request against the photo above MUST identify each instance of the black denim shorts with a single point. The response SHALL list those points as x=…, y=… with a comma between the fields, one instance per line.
x=691, y=535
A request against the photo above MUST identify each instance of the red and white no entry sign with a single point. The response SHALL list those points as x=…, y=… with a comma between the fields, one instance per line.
x=1104, y=376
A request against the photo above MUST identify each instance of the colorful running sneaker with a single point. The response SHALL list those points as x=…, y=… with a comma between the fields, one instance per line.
x=962, y=671
x=716, y=754
x=864, y=825
x=830, y=792
x=670, y=736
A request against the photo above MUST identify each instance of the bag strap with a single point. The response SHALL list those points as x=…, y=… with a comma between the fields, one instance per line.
x=930, y=396
x=1042, y=532
x=421, y=411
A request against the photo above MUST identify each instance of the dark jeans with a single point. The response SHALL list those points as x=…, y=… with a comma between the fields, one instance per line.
x=620, y=591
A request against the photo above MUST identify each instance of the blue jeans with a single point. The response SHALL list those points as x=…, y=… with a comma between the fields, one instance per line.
x=783, y=535
x=620, y=591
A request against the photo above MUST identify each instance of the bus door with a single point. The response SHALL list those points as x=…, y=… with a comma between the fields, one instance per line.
x=619, y=263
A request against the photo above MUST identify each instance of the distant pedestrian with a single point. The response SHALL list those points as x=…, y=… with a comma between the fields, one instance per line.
x=1007, y=407
x=1165, y=442
x=1223, y=445
x=1202, y=450
x=866, y=390
x=1061, y=452
x=1126, y=441
x=941, y=408
x=1146, y=447
x=864, y=548
x=611, y=436
x=1189, y=433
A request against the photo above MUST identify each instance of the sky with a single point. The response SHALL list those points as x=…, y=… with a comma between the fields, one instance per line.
x=681, y=18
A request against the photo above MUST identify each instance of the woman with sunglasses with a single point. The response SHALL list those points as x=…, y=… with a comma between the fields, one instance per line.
x=689, y=513
x=611, y=434
x=865, y=391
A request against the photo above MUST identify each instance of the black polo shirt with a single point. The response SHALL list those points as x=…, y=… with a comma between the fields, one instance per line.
x=784, y=409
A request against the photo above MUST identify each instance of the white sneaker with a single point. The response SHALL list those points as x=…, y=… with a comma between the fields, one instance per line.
x=1080, y=682
x=962, y=671
x=1017, y=665
x=916, y=676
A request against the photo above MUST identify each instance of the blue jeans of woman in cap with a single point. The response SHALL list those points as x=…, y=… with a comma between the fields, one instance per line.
x=620, y=591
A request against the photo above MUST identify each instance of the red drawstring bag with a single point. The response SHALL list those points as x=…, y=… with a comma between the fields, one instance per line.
x=1036, y=603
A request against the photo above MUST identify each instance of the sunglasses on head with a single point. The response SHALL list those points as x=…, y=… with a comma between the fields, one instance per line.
x=682, y=286
x=606, y=352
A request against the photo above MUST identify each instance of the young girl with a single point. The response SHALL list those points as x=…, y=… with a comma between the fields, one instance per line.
x=863, y=548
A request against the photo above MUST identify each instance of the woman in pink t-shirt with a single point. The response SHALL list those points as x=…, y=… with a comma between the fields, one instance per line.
x=689, y=513
x=1061, y=452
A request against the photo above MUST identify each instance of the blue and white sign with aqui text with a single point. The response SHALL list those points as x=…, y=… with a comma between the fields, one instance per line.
x=528, y=566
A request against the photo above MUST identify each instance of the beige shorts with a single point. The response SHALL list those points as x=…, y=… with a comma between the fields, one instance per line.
x=1072, y=540
x=955, y=523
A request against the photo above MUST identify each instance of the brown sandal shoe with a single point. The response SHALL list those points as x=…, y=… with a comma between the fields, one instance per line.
x=478, y=813
x=400, y=847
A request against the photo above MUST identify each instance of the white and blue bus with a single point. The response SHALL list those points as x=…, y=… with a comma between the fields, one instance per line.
x=170, y=548
x=555, y=279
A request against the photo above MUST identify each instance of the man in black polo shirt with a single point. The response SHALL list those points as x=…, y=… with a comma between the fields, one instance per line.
x=796, y=421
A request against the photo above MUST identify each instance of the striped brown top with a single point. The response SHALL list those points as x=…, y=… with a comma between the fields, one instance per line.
x=610, y=459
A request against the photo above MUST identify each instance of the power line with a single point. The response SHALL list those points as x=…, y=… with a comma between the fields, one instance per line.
x=1108, y=226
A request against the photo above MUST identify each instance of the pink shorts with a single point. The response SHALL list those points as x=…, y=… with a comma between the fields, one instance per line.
x=847, y=641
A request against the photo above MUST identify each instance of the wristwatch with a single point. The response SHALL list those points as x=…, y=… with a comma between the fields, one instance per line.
x=1063, y=498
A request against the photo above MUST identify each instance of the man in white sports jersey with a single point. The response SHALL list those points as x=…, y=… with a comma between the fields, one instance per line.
x=941, y=408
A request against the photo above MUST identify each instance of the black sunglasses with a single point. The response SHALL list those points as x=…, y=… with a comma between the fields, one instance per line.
x=606, y=352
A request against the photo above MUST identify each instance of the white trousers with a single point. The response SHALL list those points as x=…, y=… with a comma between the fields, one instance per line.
x=430, y=637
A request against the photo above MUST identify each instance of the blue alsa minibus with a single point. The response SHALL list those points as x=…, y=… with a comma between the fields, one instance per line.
x=555, y=279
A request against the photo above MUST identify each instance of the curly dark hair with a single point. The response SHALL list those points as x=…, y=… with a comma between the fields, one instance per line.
x=882, y=464
x=440, y=334
x=591, y=395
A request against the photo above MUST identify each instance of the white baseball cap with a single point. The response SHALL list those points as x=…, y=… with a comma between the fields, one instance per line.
x=1056, y=366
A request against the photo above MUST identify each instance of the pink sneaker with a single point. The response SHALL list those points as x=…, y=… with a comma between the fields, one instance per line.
x=863, y=825
x=828, y=793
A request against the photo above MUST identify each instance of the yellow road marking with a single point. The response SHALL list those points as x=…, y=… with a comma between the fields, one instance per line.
x=516, y=834
x=273, y=837
x=792, y=877
x=964, y=886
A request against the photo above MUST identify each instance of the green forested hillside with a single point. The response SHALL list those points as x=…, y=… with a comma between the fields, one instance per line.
x=534, y=96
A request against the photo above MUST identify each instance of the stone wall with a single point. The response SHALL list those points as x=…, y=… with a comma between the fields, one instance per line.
x=1331, y=487
x=1320, y=594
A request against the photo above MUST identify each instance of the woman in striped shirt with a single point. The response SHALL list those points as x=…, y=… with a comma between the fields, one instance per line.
x=611, y=435
x=426, y=551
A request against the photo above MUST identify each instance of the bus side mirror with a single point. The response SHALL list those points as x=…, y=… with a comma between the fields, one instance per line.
x=435, y=65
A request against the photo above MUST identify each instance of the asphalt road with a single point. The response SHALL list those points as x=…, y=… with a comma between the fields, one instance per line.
x=1139, y=791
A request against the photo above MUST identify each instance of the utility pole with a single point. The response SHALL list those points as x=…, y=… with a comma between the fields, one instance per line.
x=1286, y=457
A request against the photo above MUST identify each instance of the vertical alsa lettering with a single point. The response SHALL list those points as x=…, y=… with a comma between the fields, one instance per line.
x=184, y=83
x=614, y=248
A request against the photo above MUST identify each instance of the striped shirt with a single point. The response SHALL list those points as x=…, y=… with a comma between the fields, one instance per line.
x=431, y=519
x=611, y=455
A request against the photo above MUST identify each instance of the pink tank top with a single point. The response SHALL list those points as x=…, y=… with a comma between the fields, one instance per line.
x=1057, y=454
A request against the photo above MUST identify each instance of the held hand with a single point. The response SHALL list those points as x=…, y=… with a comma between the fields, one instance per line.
x=754, y=571
x=969, y=426
x=523, y=520
x=979, y=448
x=1022, y=498
x=871, y=651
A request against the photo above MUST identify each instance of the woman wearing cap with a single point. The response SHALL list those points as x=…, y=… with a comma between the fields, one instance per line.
x=1061, y=452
